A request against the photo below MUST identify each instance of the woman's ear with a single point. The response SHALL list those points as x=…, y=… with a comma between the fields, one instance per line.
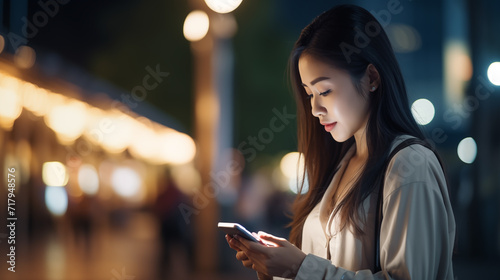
x=374, y=77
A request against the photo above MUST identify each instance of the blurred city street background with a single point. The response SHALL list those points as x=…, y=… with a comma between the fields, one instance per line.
x=129, y=128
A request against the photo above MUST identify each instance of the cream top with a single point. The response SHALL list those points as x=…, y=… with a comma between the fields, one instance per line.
x=417, y=231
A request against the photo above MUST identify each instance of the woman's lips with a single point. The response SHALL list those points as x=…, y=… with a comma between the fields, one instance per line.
x=329, y=127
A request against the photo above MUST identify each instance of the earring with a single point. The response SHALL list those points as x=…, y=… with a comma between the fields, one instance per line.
x=373, y=88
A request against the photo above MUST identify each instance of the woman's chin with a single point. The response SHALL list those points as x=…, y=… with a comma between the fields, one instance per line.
x=340, y=138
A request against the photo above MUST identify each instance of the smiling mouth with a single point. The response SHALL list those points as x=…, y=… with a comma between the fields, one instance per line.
x=329, y=127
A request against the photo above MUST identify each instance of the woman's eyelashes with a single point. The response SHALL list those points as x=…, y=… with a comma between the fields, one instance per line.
x=309, y=96
x=325, y=92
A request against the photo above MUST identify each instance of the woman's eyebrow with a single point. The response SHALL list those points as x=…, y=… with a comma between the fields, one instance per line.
x=317, y=80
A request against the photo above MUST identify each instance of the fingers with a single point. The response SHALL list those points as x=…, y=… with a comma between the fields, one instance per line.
x=281, y=242
x=263, y=234
x=233, y=243
x=251, y=248
x=243, y=242
x=241, y=256
x=247, y=264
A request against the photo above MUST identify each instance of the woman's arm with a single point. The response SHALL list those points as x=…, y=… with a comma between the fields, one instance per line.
x=417, y=231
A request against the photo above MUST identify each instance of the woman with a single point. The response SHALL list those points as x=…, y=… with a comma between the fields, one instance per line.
x=353, y=115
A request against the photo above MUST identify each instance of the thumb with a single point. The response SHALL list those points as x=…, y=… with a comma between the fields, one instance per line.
x=281, y=242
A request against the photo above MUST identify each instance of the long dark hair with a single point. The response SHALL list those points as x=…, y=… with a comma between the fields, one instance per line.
x=349, y=38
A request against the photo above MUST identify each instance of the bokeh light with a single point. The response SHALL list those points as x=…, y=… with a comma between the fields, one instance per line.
x=467, y=150
x=118, y=132
x=68, y=120
x=10, y=107
x=404, y=38
x=176, y=147
x=494, y=73
x=56, y=199
x=25, y=57
x=125, y=181
x=88, y=179
x=292, y=166
x=196, y=25
x=295, y=184
x=423, y=111
x=223, y=6
x=35, y=99
x=289, y=164
x=54, y=174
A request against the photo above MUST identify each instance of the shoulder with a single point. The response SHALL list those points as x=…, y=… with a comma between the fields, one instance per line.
x=413, y=165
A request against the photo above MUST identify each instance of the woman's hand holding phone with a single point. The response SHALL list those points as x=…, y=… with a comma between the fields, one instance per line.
x=241, y=256
x=277, y=257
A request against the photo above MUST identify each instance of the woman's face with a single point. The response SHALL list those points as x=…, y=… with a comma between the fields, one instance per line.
x=334, y=98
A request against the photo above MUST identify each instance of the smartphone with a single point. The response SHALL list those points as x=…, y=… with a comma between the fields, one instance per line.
x=233, y=228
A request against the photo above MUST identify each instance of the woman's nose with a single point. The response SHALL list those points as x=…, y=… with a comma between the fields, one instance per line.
x=317, y=108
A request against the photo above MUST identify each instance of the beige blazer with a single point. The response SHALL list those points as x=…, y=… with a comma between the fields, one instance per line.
x=417, y=231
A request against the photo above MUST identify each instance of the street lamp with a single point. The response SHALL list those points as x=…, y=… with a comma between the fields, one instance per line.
x=196, y=25
x=223, y=6
x=210, y=38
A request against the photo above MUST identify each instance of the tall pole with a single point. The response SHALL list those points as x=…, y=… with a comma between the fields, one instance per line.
x=206, y=111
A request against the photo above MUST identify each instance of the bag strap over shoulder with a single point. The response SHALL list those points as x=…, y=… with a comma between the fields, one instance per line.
x=381, y=181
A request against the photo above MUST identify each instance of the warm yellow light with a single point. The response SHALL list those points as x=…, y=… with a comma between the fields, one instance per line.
x=196, y=25
x=117, y=133
x=68, y=120
x=25, y=57
x=457, y=70
x=223, y=6
x=10, y=107
x=35, y=99
x=126, y=182
x=290, y=165
x=97, y=125
x=145, y=144
x=176, y=147
x=54, y=174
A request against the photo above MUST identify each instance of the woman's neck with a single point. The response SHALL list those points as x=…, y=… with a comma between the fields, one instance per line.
x=361, y=145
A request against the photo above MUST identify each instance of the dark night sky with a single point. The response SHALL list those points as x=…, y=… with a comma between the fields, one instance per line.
x=116, y=40
x=79, y=29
